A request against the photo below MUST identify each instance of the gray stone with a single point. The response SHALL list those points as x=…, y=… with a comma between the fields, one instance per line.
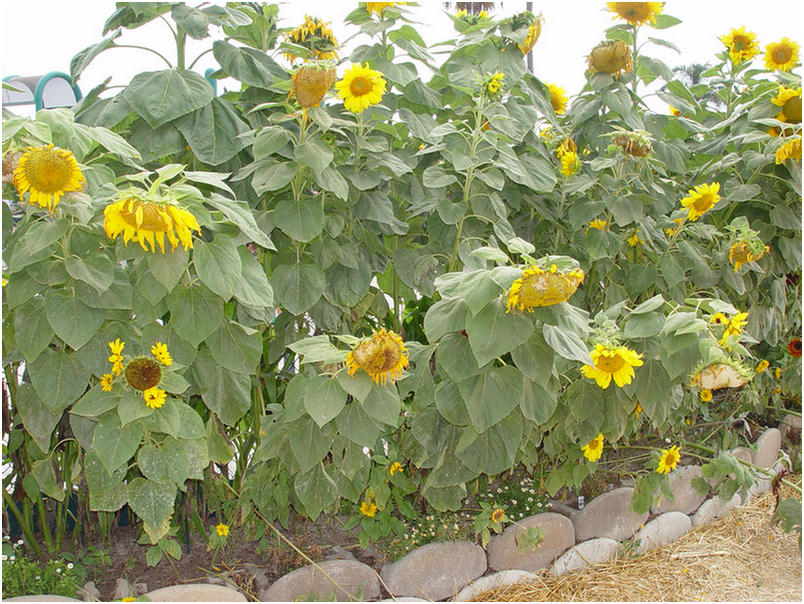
x=791, y=427
x=140, y=588
x=714, y=508
x=354, y=580
x=608, y=516
x=768, y=445
x=88, y=593
x=436, y=570
x=661, y=530
x=585, y=553
x=493, y=581
x=743, y=453
x=261, y=580
x=559, y=535
x=762, y=482
x=40, y=598
x=122, y=589
x=687, y=497
x=195, y=592
x=336, y=552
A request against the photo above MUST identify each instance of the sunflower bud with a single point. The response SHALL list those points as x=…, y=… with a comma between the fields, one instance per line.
x=311, y=82
x=633, y=143
x=611, y=57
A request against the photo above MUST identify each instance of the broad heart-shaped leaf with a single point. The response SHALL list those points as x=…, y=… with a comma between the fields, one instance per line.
x=493, y=451
x=478, y=287
x=99, y=480
x=132, y=407
x=213, y=132
x=161, y=96
x=535, y=358
x=218, y=265
x=310, y=443
x=324, y=399
x=177, y=419
x=538, y=403
x=250, y=66
x=234, y=348
x=253, y=288
x=31, y=329
x=347, y=286
x=302, y=220
x=42, y=471
x=298, y=286
x=652, y=388
x=152, y=501
x=383, y=404
x=226, y=393
x=71, y=319
x=316, y=490
x=113, y=444
x=567, y=344
x=313, y=153
x=36, y=417
x=168, y=268
x=59, y=379
x=270, y=139
x=455, y=357
x=174, y=460
x=359, y=385
x=34, y=245
x=195, y=312
x=318, y=349
x=356, y=425
x=96, y=402
x=240, y=214
x=443, y=317
x=491, y=396
x=492, y=332
x=96, y=270
x=218, y=447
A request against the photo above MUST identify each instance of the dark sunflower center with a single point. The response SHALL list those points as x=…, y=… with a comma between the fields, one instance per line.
x=671, y=458
x=48, y=171
x=143, y=373
x=782, y=54
x=378, y=356
x=792, y=110
x=609, y=364
x=703, y=203
x=360, y=86
x=741, y=43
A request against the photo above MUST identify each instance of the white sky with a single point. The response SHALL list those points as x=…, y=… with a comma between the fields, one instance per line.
x=41, y=36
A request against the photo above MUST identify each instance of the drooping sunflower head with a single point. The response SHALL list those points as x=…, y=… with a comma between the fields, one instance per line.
x=593, y=450
x=313, y=39
x=781, y=56
x=311, y=82
x=570, y=163
x=360, y=88
x=612, y=363
x=701, y=199
x=383, y=356
x=745, y=251
x=789, y=150
x=558, y=98
x=727, y=373
x=633, y=142
x=46, y=173
x=533, y=23
x=611, y=57
x=636, y=13
x=543, y=287
x=146, y=217
x=742, y=45
x=789, y=99
x=668, y=459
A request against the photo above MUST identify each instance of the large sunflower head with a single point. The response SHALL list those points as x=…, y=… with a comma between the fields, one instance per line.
x=729, y=373
x=360, y=88
x=539, y=287
x=668, y=459
x=46, y=173
x=147, y=217
x=315, y=37
x=593, y=450
x=570, y=163
x=743, y=252
x=742, y=45
x=781, y=56
x=789, y=99
x=701, y=199
x=789, y=150
x=311, y=82
x=383, y=356
x=558, y=98
x=612, y=362
x=534, y=25
x=611, y=57
x=636, y=13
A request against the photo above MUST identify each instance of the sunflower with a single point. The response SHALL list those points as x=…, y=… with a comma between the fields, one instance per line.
x=637, y=410
x=790, y=150
x=116, y=358
x=570, y=163
x=742, y=45
x=789, y=99
x=636, y=143
x=612, y=362
x=598, y=224
x=106, y=382
x=558, y=98
x=368, y=509
x=781, y=56
x=394, y=468
x=222, y=530
x=534, y=31
x=311, y=82
x=377, y=8
x=762, y=366
x=360, y=88
x=794, y=347
x=160, y=351
x=315, y=36
x=594, y=449
x=634, y=240
x=706, y=395
x=729, y=374
x=143, y=373
x=495, y=83
x=700, y=200
x=566, y=146
x=674, y=111
x=538, y=287
x=46, y=173
x=154, y=397
x=497, y=515
x=746, y=251
x=142, y=217
x=611, y=57
x=636, y=13
x=383, y=356
x=669, y=459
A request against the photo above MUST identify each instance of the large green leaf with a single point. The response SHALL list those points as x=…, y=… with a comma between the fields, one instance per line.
x=318, y=349
x=195, y=312
x=455, y=357
x=270, y=175
x=168, y=268
x=218, y=265
x=250, y=66
x=535, y=358
x=450, y=403
x=98, y=479
x=492, y=395
x=309, y=442
x=270, y=139
x=478, y=287
x=31, y=329
x=114, y=444
x=298, y=286
x=36, y=417
x=240, y=214
x=174, y=460
x=302, y=220
x=383, y=404
x=96, y=402
x=162, y=96
x=347, y=286
x=132, y=407
x=213, y=132
x=316, y=490
x=59, y=379
x=538, y=403
x=152, y=501
x=45, y=477
x=443, y=317
x=235, y=347
x=96, y=270
x=226, y=393
x=567, y=344
x=356, y=425
x=494, y=450
x=652, y=388
x=36, y=242
x=493, y=332
x=313, y=153
x=177, y=419
x=253, y=288
x=71, y=319
x=324, y=399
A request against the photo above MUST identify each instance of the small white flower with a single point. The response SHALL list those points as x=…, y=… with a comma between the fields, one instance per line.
x=3, y=557
x=538, y=505
x=499, y=490
x=12, y=558
x=58, y=570
x=667, y=440
x=37, y=578
x=69, y=565
x=530, y=499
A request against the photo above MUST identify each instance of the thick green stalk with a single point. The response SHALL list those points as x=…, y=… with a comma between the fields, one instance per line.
x=24, y=525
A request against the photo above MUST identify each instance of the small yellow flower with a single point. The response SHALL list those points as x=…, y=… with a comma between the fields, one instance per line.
x=116, y=358
x=637, y=410
x=368, y=509
x=160, y=351
x=778, y=373
x=706, y=395
x=742, y=44
x=566, y=146
x=377, y=7
x=128, y=599
x=701, y=199
x=781, y=56
x=495, y=83
x=594, y=450
x=669, y=459
x=154, y=397
x=222, y=530
x=674, y=111
x=106, y=382
x=570, y=163
x=762, y=366
x=636, y=13
x=612, y=363
x=498, y=515
x=597, y=224
x=394, y=468
x=634, y=240
x=558, y=98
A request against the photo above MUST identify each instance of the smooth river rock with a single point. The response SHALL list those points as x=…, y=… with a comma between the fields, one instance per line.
x=195, y=592
x=768, y=445
x=559, y=535
x=493, y=581
x=687, y=497
x=355, y=581
x=662, y=530
x=714, y=508
x=585, y=553
x=608, y=516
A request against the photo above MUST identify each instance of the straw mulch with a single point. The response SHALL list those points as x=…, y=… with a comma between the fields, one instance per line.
x=740, y=557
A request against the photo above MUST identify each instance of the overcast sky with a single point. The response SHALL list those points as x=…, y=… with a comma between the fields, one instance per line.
x=41, y=36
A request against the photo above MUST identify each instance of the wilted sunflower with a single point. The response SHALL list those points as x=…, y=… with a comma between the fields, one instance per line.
x=729, y=374
x=316, y=37
x=700, y=200
x=360, y=88
x=635, y=143
x=611, y=57
x=566, y=146
x=558, y=98
x=46, y=173
x=615, y=363
x=570, y=163
x=781, y=56
x=742, y=45
x=383, y=356
x=538, y=287
x=594, y=449
x=745, y=251
x=789, y=99
x=669, y=459
x=144, y=217
x=534, y=24
x=790, y=150
x=311, y=82
x=636, y=13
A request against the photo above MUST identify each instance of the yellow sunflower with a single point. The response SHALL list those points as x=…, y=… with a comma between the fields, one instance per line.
x=368, y=509
x=743, y=252
x=669, y=459
x=154, y=397
x=570, y=163
x=360, y=88
x=594, y=450
x=160, y=351
x=537, y=287
x=558, y=98
x=706, y=395
x=495, y=83
x=316, y=37
x=566, y=146
x=611, y=57
x=534, y=31
x=377, y=7
x=311, y=82
x=789, y=99
x=394, y=468
x=700, y=200
x=597, y=224
x=762, y=366
x=116, y=358
x=674, y=111
x=222, y=530
x=46, y=173
x=383, y=356
x=497, y=515
x=742, y=45
x=106, y=382
x=636, y=13
x=634, y=240
x=735, y=325
x=617, y=363
x=144, y=219
x=781, y=56
x=790, y=150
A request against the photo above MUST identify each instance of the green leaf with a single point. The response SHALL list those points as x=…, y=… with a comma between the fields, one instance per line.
x=238, y=213
x=234, y=348
x=316, y=490
x=331, y=180
x=309, y=442
x=650, y=305
x=270, y=139
x=273, y=175
x=162, y=96
x=298, y=286
x=494, y=450
x=383, y=404
x=644, y=325
x=478, y=287
x=96, y=402
x=538, y=403
x=534, y=359
x=153, y=556
x=491, y=253
x=45, y=477
x=96, y=270
x=59, y=379
x=174, y=460
x=71, y=319
x=132, y=407
x=358, y=386
x=454, y=355
x=324, y=399
x=313, y=153
x=618, y=99
x=32, y=330
x=193, y=21
x=652, y=388
x=665, y=21
x=443, y=317
x=356, y=425
x=348, y=286
x=99, y=480
x=450, y=403
x=491, y=395
x=318, y=349
x=436, y=177
x=36, y=241
x=567, y=344
x=195, y=312
x=168, y=268
x=213, y=132
x=219, y=449
x=253, y=288
x=302, y=220
x=492, y=332
x=36, y=417
x=218, y=265
x=177, y=419
x=226, y=393
x=152, y=501
x=114, y=444
x=250, y=66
